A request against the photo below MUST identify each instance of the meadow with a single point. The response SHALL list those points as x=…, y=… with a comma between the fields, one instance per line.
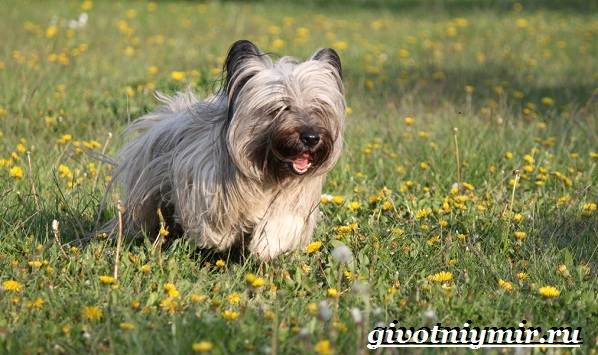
x=466, y=190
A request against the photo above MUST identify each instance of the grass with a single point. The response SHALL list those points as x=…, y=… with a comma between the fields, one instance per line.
x=492, y=178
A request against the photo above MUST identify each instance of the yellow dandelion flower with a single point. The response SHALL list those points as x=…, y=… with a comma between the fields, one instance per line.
x=518, y=217
x=171, y=290
x=562, y=269
x=332, y=293
x=302, y=32
x=520, y=235
x=518, y=94
x=563, y=200
x=323, y=347
x=409, y=121
x=353, y=206
x=145, y=268
x=220, y=263
x=278, y=44
x=38, y=303
x=202, y=346
x=433, y=240
x=387, y=205
x=65, y=171
x=86, y=5
x=126, y=326
x=313, y=247
x=169, y=305
x=65, y=138
x=233, y=298
x=36, y=264
x=521, y=23
x=92, y=313
x=12, y=285
x=130, y=91
x=373, y=198
x=588, y=208
x=423, y=134
x=230, y=314
x=547, y=101
x=338, y=200
x=250, y=277
x=528, y=158
x=5, y=162
x=312, y=308
x=16, y=172
x=51, y=31
x=274, y=30
x=258, y=282
x=521, y=276
x=509, y=155
x=443, y=276
x=177, y=75
x=468, y=186
x=129, y=51
x=163, y=232
x=549, y=291
x=106, y=280
x=505, y=285
x=268, y=314
x=341, y=45
x=92, y=144
x=423, y=213
x=198, y=298
x=131, y=13
x=397, y=231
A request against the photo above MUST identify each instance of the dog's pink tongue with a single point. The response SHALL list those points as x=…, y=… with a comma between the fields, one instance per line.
x=302, y=161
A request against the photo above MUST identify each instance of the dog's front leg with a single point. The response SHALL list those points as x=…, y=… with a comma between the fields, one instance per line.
x=282, y=231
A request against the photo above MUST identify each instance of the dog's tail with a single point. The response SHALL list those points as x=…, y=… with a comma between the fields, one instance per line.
x=179, y=102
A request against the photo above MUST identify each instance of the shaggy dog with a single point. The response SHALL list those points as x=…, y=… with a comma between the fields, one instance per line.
x=248, y=162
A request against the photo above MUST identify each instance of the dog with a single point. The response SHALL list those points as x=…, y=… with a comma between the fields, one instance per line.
x=244, y=166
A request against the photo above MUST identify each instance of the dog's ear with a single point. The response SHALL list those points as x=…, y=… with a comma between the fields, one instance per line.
x=329, y=56
x=242, y=62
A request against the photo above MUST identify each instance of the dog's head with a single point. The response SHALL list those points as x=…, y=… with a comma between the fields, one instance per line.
x=285, y=117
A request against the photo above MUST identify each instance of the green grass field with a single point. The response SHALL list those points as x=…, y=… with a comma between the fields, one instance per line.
x=467, y=188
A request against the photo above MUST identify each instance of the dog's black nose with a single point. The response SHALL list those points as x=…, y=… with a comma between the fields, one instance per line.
x=310, y=139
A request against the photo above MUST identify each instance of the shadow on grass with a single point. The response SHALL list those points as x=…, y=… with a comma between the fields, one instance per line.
x=571, y=232
x=450, y=7
x=496, y=82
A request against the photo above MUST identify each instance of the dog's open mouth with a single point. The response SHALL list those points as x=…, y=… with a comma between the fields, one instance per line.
x=301, y=163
